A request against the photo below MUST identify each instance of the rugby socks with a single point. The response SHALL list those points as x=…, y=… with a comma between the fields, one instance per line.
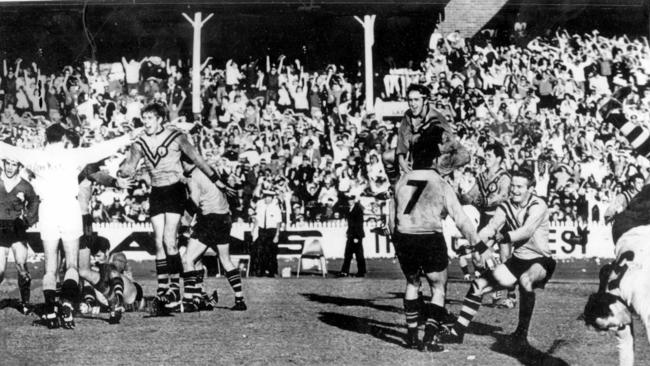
x=412, y=313
x=199, y=282
x=471, y=304
x=435, y=316
x=637, y=136
x=24, y=286
x=526, y=306
x=234, y=278
x=69, y=291
x=163, y=277
x=88, y=294
x=50, y=301
x=175, y=268
x=117, y=288
x=190, y=290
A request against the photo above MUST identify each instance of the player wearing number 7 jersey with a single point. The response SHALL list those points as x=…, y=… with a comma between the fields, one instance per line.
x=422, y=200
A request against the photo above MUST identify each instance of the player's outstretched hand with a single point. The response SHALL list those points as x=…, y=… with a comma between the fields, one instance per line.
x=483, y=257
x=124, y=183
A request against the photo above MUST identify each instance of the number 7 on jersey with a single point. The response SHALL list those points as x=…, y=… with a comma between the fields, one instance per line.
x=419, y=187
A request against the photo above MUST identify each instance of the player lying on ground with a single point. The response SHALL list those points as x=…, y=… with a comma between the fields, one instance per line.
x=522, y=221
x=56, y=167
x=625, y=284
x=212, y=229
x=18, y=211
x=115, y=291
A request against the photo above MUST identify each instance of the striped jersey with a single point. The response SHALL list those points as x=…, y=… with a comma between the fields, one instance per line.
x=526, y=224
x=423, y=199
x=162, y=156
x=493, y=190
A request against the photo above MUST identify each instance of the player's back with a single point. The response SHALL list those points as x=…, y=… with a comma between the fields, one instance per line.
x=420, y=199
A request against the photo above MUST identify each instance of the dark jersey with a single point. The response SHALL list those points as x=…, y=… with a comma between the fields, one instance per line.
x=636, y=214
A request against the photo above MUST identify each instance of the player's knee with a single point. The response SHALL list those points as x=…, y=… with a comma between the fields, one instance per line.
x=413, y=279
x=526, y=282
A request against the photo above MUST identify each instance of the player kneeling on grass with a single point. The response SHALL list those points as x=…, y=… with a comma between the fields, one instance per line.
x=212, y=229
x=625, y=284
x=521, y=222
x=115, y=291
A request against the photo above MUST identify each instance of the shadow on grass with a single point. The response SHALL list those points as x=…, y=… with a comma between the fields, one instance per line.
x=380, y=330
x=427, y=298
x=529, y=355
x=346, y=301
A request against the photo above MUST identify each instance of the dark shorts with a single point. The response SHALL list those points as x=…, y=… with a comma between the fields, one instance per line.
x=167, y=199
x=86, y=238
x=10, y=234
x=518, y=266
x=212, y=229
x=421, y=253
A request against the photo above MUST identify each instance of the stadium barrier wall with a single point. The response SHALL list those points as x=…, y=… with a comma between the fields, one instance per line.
x=565, y=240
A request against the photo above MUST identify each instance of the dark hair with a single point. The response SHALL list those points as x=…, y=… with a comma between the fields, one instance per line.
x=497, y=149
x=634, y=177
x=420, y=89
x=55, y=133
x=158, y=109
x=524, y=173
x=598, y=307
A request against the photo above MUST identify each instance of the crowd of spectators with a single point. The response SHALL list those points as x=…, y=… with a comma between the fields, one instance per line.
x=304, y=134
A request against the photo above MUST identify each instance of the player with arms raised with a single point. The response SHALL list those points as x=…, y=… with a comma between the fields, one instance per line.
x=161, y=149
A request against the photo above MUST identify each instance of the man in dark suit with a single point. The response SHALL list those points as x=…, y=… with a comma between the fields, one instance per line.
x=355, y=235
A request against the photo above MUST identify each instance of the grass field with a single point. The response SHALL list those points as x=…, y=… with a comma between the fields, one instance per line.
x=310, y=320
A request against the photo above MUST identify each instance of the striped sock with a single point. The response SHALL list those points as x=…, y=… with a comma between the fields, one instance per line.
x=199, y=280
x=190, y=290
x=637, y=136
x=162, y=272
x=88, y=293
x=175, y=266
x=117, y=288
x=412, y=313
x=471, y=304
x=234, y=278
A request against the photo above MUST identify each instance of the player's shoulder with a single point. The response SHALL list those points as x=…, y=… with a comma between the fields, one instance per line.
x=537, y=202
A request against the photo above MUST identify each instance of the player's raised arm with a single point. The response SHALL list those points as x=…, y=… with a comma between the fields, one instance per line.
x=25, y=156
x=191, y=152
x=101, y=150
x=127, y=168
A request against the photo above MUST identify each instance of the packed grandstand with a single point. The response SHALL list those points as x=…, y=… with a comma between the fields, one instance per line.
x=272, y=124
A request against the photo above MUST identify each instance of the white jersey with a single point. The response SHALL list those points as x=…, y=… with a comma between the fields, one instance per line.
x=630, y=280
x=57, y=170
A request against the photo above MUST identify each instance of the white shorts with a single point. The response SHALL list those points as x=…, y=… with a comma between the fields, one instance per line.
x=60, y=220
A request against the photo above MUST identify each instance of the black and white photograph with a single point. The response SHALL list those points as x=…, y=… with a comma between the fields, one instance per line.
x=325, y=182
